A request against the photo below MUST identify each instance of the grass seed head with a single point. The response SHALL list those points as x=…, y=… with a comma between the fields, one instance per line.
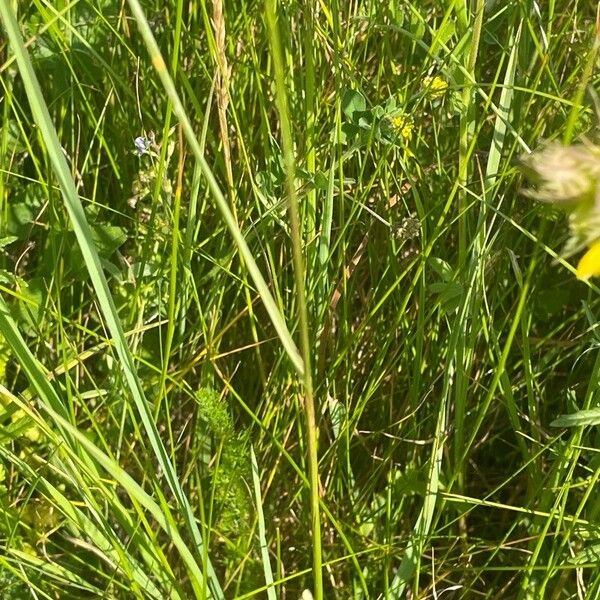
x=563, y=174
x=569, y=177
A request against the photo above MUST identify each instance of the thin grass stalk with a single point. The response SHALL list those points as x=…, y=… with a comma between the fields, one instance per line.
x=262, y=532
x=299, y=273
x=173, y=294
x=108, y=309
x=309, y=103
x=173, y=271
x=259, y=281
x=222, y=93
x=588, y=71
x=467, y=128
x=173, y=290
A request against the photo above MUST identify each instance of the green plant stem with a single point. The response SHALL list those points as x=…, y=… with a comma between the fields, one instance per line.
x=222, y=204
x=299, y=273
x=309, y=62
x=467, y=128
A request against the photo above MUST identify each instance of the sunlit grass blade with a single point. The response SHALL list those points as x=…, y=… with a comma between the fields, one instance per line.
x=222, y=205
x=28, y=362
x=503, y=117
x=104, y=540
x=300, y=277
x=95, y=271
x=133, y=489
x=264, y=548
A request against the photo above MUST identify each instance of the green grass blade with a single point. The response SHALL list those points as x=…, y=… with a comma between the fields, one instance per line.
x=300, y=277
x=503, y=116
x=262, y=537
x=94, y=267
x=133, y=489
x=222, y=205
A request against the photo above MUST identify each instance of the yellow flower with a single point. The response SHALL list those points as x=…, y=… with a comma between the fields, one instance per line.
x=435, y=87
x=403, y=124
x=589, y=264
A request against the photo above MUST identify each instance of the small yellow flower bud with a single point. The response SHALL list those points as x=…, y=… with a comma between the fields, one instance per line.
x=435, y=87
x=403, y=125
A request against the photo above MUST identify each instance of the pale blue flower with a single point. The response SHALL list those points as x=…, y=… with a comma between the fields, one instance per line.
x=142, y=145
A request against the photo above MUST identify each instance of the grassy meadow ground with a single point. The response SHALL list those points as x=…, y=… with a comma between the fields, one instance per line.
x=310, y=337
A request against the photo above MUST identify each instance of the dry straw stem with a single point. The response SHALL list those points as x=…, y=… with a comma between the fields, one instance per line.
x=222, y=88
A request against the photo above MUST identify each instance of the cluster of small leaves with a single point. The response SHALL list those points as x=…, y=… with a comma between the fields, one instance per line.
x=232, y=469
x=213, y=411
x=12, y=587
x=386, y=123
x=393, y=121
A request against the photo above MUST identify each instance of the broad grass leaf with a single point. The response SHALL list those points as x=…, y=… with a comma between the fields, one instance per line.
x=579, y=418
